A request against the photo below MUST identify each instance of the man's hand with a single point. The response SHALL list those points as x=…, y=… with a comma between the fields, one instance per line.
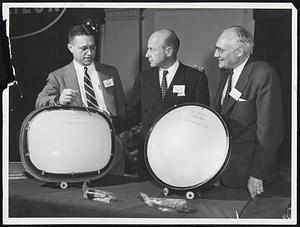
x=255, y=186
x=67, y=96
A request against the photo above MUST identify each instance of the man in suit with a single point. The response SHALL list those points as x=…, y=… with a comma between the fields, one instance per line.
x=84, y=82
x=249, y=100
x=167, y=83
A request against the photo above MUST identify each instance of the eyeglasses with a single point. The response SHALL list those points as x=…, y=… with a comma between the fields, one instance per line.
x=86, y=48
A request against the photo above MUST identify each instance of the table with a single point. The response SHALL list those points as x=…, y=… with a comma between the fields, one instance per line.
x=32, y=198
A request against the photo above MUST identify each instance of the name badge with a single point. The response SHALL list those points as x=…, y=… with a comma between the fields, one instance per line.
x=108, y=83
x=235, y=94
x=179, y=89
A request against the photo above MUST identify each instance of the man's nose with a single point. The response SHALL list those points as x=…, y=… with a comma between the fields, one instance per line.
x=216, y=54
x=147, y=54
x=89, y=51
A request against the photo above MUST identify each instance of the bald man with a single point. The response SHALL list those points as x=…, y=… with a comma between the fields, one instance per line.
x=249, y=100
x=167, y=83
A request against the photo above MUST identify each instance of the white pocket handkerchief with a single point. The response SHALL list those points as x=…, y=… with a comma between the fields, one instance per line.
x=242, y=100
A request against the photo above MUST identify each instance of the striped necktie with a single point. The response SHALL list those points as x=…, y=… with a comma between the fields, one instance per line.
x=164, y=86
x=226, y=97
x=89, y=91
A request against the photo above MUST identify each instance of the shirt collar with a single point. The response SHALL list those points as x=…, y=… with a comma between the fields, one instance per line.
x=239, y=69
x=80, y=68
x=173, y=68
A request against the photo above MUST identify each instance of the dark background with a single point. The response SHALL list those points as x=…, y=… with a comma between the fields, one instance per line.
x=35, y=56
x=273, y=43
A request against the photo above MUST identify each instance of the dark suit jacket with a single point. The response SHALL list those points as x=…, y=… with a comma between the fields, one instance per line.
x=255, y=125
x=146, y=103
x=65, y=77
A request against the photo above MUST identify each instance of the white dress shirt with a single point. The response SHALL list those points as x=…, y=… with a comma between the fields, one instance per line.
x=95, y=82
x=235, y=77
x=171, y=73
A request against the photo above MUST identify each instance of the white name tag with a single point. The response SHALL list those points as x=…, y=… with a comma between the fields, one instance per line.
x=235, y=94
x=108, y=83
x=179, y=89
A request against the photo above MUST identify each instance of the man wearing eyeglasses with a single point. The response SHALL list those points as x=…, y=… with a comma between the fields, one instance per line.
x=249, y=101
x=87, y=83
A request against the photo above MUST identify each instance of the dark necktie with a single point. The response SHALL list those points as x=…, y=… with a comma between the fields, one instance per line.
x=164, y=86
x=89, y=91
x=226, y=97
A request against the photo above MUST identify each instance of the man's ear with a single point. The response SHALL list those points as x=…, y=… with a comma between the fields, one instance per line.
x=70, y=46
x=240, y=51
x=169, y=51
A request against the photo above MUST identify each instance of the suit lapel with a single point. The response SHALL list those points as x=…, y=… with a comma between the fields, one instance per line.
x=241, y=83
x=155, y=84
x=244, y=77
x=108, y=92
x=177, y=80
x=71, y=82
x=152, y=82
x=218, y=96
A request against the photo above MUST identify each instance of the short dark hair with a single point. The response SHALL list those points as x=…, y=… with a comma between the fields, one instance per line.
x=173, y=41
x=80, y=29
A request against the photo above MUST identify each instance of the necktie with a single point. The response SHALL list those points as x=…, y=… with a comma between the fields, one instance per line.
x=89, y=91
x=164, y=86
x=226, y=97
